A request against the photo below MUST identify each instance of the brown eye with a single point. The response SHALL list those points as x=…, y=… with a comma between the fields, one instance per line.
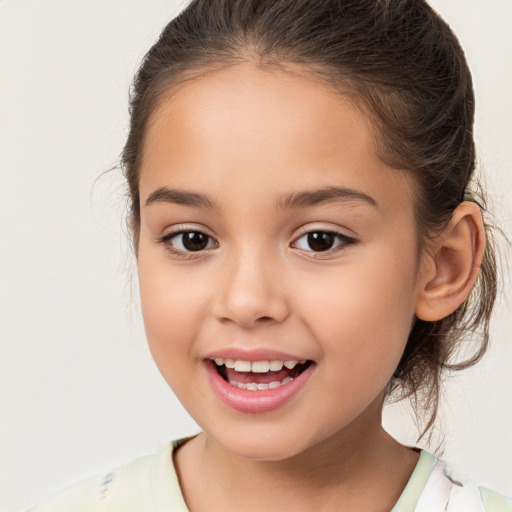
x=188, y=241
x=195, y=240
x=321, y=241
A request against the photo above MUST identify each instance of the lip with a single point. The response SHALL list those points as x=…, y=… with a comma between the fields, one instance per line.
x=255, y=402
x=253, y=355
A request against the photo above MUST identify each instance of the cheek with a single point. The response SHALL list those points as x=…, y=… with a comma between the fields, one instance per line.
x=171, y=307
x=362, y=317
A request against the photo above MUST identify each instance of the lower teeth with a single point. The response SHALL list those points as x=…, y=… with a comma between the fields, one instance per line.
x=254, y=386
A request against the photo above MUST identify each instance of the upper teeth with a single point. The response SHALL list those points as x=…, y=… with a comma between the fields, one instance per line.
x=256, y=366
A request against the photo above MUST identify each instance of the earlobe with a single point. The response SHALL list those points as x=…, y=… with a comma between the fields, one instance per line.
x=454, y=262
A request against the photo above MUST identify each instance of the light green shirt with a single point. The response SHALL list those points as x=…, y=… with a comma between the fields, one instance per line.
x=150, y=484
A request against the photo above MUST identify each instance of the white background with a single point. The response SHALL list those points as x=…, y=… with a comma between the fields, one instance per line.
x=79, y=392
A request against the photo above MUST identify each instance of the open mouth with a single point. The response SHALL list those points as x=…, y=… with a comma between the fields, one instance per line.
x=259, y=375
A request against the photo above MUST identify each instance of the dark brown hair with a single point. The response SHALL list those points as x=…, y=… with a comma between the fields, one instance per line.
x=403, y=65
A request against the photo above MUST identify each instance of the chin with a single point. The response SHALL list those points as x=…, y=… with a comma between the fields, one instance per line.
x=263, y=444
x=263, y=452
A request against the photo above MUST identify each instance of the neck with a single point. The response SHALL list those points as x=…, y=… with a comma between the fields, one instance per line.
x=360, y=468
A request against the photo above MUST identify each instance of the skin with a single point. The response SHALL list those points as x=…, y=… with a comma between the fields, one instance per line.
x=247, y=137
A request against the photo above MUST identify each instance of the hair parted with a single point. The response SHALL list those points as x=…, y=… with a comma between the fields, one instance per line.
x=401, y=63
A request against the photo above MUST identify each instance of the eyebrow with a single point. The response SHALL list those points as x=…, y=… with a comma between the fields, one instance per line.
x=183, y=197
x=310, y=198
x=303, y=199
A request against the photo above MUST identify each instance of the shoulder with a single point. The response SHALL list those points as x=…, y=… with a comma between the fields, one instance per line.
x=80, y=497
x=495, y=502
x=146, y=484
x=445, y=490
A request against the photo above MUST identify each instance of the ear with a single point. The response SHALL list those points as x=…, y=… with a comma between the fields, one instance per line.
x=451, y=267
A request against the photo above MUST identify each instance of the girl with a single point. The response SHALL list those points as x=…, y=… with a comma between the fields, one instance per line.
x=310, y=243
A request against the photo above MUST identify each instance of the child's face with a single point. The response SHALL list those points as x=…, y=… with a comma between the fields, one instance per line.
x=254, y=286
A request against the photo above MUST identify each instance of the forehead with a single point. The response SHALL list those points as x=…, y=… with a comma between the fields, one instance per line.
x=251, y=128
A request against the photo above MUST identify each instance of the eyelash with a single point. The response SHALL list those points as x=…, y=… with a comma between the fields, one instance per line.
x=185, y=255
x=344, y=241
x=165, y=240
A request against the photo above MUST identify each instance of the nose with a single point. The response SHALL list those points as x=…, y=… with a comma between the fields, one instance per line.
x=251, y=292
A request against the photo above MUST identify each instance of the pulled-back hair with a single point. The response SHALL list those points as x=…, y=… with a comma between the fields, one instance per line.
x=401, y=63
